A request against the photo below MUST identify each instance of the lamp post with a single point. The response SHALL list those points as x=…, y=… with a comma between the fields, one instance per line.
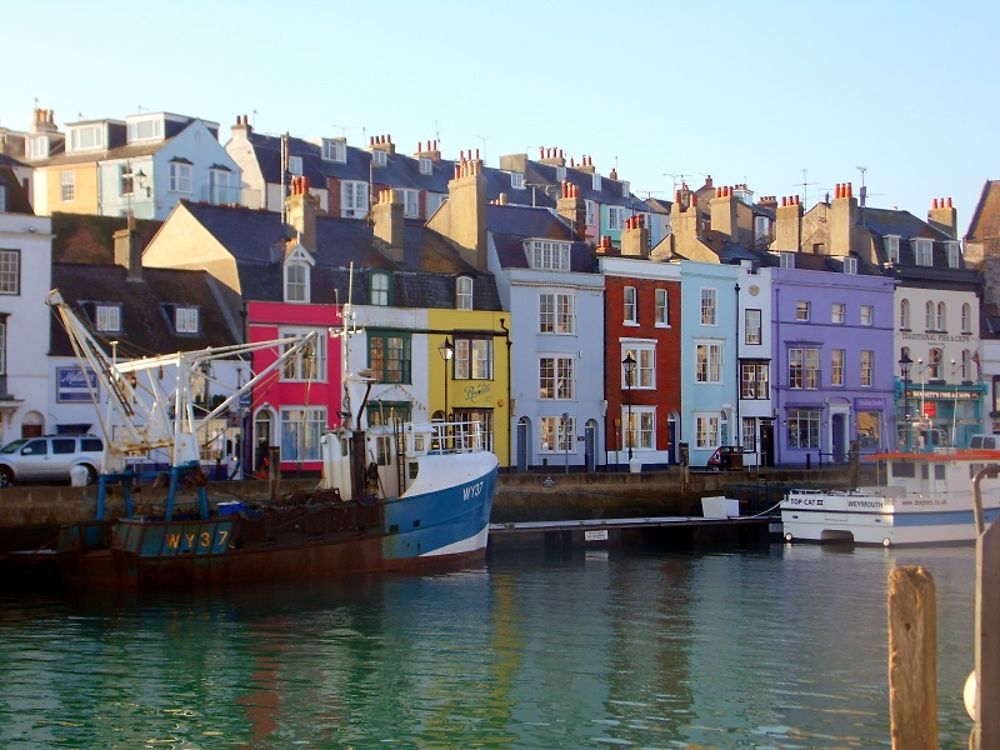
x=629, y=364
x=905, y=363
x=447, y=351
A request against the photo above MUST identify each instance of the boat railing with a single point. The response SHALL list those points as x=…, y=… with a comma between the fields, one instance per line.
x=456, y=437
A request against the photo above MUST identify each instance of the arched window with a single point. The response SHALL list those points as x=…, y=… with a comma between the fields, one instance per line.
x=966, y=364
x=463, y=293
x=904, y=314
x=380, y=288
x=942, y=317
x=934, y=366
x=929, y=316
x=296, y=282
x=966, y=320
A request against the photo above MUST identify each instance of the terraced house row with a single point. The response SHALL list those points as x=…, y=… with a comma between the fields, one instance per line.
x=577, y=324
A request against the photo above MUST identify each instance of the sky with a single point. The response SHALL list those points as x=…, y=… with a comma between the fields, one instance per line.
x=772, y=94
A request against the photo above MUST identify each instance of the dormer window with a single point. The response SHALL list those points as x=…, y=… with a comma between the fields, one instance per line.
x=517, y=180
x=544, y=255
x=892, y=250
x=954, y=254
x=922, y=252
x=38, y=146
x=147, y=129
x=296, y=282
x=787, y=259
x=560, y=174
x=625, y=189
x=589, y=208
x=761, y=227
x=379, y=158
x=380, y=288
x=108, y=318
x=850, y=265
x=411, y=202
x=335, y=149
x=86, y=137
x=463, y=293
x=186, y=319
x=295, y=165
x=426, y=165
x=595, y=182
x=3, y=198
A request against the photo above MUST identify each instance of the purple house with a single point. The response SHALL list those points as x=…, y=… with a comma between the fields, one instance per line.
x=833, y=358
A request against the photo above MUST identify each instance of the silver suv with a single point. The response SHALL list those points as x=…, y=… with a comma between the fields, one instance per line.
x=49, y=458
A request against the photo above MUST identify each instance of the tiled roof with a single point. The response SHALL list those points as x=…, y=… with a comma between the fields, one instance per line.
x=85, y=238
x=17, y=201
x=147, y=326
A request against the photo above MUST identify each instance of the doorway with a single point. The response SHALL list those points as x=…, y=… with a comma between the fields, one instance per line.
x=523, y=436
x=590, y=445
x=767, y=442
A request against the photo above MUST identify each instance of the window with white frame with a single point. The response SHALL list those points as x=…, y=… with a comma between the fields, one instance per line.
x=662, y=308
x=556, y=313
x=803, y=368
x=3, y=347
x=954, y=253
x=904, y=314
x=755, y=380
x=941, y=319
x=108, y=318
x=706, y=430
x=67, y=186
x=966, y=318
x=867, y=363
x=630, y=314
x=922, y=252
x=644, y=355
x=837, y=312
x=786, y=259
x=867, y=315
x=426, y=165
x=86, y=138
x=625, y=189
x=379, y=158
x=751, y=326
x=837, y=367
x=301, y=429
x=556, y=377
x=3, y=198
x=411, y=202
x=463, y=293
x=589, y=208
x=850, y=265
x=10, y=271
x=220, y=188
x=803, y=428
x=434, y=201
x=473, y=357
x=802, y=310
x=145, y=130
x=750, y=434
x=517, y=180
x=560, y=173
x=761, y=227
x=186, y=319
x=379, y=281
x=935, y=357
x=295, y=165
x=616, y=218
x=708, y=363
x=708, y=306
x=353, y=198
x=966, y=365
x=892, y=249
x=38, y=146
x=545, y=255
x=335, y=149
x=595, y=182
x=557, y=434
x=309, y=362
x=929, y=316
x=639, y=427
x=296, y=282
x=180, y=177
x=126, y=180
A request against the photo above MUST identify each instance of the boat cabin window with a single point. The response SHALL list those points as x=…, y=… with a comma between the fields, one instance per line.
x=903, y=469
x=414, y=468
x=418, y=443
x=345, y=448
x=939, y=471
x=383, y=449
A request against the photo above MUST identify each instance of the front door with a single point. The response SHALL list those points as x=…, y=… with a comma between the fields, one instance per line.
x=838, y=437
x=671, y=441
x=590, y=445
x=523, y=430
x=767, y=443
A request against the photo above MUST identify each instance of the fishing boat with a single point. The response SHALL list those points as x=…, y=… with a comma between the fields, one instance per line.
x=395, y=497
x=927, y=499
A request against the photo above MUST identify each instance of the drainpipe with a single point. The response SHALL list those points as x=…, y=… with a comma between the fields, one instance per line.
x=510, y=413
x=737, y=426
x=776, y=348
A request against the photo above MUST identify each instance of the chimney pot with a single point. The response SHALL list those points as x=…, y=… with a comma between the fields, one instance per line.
x=949, y=202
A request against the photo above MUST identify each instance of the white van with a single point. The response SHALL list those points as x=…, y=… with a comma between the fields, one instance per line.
x=985, y=441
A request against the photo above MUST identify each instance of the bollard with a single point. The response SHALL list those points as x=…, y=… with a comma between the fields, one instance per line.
x=809, y=461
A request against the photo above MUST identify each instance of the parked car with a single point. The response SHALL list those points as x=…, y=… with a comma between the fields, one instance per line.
x=49, y=458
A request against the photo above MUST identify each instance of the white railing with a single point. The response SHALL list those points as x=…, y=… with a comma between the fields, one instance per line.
x=456, y=437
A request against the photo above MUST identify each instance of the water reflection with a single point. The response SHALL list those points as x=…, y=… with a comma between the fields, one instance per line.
x=779, y=648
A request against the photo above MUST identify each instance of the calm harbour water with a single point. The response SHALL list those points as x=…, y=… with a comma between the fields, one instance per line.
x=780, y=648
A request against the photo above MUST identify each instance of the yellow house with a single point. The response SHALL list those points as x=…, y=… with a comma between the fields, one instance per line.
x=67, y=187
x=470, y=360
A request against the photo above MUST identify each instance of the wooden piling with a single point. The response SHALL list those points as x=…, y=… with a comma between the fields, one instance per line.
x=987, y=726
x=912, y=659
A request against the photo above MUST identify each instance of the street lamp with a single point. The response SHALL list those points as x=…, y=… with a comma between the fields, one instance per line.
x=629, y=364
x=905, y=363
x=447, y=351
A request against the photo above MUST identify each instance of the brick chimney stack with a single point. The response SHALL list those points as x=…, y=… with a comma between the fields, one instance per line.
x=943, y=216
x=684, y=228
x=44, y=122
x=128, y=254
x=302, y=207
x=788, y=225
x=462, y=218
x=428, y=151
x=387, y=215
x=844, y=216
x=242, y=128
x=382, y=143
x=635, y=237
x=723, y=210
x=573, y=208
x=551, y=156
x=586, y=165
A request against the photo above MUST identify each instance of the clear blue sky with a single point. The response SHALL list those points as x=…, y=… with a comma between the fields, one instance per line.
x=744, y=91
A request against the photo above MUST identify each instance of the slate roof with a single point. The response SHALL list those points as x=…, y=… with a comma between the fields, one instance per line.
x=10, y=161
x=147, y=324
x=886, y=222
x=424, y=278
x=511, y=225
x=17, y=201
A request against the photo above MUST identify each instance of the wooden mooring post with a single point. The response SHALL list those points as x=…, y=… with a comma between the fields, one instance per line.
x=912, y=659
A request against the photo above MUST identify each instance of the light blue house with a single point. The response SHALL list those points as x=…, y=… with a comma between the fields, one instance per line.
x=709, y=383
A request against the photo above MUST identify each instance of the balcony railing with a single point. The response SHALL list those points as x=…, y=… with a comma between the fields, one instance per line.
x=227, y=195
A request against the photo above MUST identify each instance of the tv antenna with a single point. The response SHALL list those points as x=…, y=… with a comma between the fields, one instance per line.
x=805, y=186
x=485, y=138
